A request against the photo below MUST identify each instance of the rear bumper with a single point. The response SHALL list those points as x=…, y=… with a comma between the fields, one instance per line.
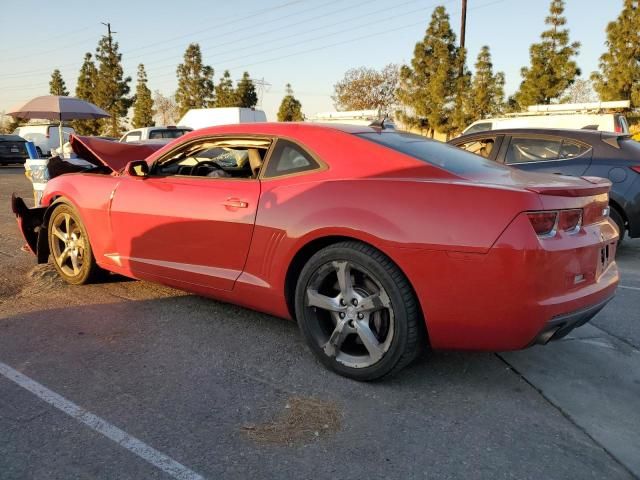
x=561, y=325
x=9, y=160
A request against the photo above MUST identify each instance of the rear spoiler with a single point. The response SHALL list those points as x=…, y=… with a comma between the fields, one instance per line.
x=596, y=186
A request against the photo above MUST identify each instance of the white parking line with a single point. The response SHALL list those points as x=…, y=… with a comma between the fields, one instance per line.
x=637, y=289
x=122, y=438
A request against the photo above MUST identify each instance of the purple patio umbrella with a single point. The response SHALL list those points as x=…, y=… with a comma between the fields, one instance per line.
x=53, y=107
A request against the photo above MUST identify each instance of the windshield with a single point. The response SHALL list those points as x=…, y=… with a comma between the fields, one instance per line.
x=447, y=157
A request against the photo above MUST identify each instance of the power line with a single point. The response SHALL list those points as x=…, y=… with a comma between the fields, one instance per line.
x=222, y=22
x=323, y=47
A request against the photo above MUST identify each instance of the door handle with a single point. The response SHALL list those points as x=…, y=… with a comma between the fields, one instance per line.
x=235, y=203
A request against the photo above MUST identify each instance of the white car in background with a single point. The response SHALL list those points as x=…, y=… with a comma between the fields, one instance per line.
x=160, y=133
x=580, y=116
x=45, y=136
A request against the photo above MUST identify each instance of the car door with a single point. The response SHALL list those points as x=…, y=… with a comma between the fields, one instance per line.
x=547, y=153
x=190, y=229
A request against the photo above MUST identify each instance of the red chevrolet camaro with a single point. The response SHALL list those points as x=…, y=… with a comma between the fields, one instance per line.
x=378, y=242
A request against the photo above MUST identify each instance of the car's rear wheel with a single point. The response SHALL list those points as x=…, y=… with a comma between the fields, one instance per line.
x=358, y=312
x=69, y=246
x=617, y=218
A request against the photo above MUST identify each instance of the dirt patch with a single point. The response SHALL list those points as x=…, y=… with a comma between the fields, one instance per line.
x=304, y=420
x=41, y=278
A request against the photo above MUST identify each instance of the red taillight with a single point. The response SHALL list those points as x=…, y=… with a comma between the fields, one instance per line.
x=618, y=128
x=544, y=223
x=636, y=169
x=570, y=220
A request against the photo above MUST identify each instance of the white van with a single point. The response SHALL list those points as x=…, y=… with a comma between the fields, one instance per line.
x=588, y=116
x=45, y=136
x=208, y=117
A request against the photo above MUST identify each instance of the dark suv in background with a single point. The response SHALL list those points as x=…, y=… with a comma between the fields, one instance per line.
x=582, y=153
x=12, y=149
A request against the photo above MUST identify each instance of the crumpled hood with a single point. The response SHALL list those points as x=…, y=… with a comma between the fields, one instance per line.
x=114, y=155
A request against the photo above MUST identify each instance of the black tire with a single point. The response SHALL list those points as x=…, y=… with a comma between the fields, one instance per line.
x=399, y=328
x=618, y=219
x=71, y=237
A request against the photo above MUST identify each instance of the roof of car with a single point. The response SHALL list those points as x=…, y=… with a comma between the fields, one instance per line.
x=12, y=138
x=548, y=131
x=284, y=127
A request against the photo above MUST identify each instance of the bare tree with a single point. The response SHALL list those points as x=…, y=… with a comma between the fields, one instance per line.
x=166, y=108
x=580, y=92
x=367, y=89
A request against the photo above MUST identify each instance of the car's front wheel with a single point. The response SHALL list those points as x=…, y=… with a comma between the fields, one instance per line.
x=69, y=246
x=358, y=312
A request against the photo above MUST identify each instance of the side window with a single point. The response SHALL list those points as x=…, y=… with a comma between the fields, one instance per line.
x=479, y=127
x=480, y=146
x=215, y=158
x=571, y=149
x=133, y=137
x=523, y=150
x=155, y=134
x=288, y=158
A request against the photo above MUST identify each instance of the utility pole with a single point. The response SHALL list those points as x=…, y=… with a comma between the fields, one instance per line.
x=263, y=86
x=463, y=23
x=109, y=32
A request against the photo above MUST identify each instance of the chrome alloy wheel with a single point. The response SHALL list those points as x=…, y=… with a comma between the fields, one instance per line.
x=68, y=245
x=353, y=315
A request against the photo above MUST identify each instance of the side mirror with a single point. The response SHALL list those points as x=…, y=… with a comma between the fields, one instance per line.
x=137, y=168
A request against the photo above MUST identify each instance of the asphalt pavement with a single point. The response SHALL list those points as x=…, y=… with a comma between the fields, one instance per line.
x=126, y=379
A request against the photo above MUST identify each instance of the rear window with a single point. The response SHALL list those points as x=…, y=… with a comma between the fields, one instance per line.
x=447, y=157
x=168, y=133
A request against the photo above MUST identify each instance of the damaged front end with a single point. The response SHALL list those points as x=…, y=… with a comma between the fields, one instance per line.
x=31, y=222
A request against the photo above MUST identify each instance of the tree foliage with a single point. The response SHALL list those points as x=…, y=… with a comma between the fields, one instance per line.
x=195, y=81
x=619, y=76
x=428, y=86
x=462, y=112
x=166, y=108
x=552, y=66
x=112, y=87
x=246, y=95
x=86, y=90
x=367, y=89
x=487, y=88
x=57, y=85
x=225, y=93
x=143, y=103
x=290, y=108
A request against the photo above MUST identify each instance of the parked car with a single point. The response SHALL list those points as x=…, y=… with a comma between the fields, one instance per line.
x=587, y=116
x=13, y=149
x=577, y=153
x=46, y=136
x=379, y=243
x=211, y=117
x=154, y=133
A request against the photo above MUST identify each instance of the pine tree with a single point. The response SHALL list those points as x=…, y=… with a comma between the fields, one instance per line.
x=428, y=85
x=620, y=65
x=86, y=90
x=57, y=85
x=462, y=112
x=112, y=87
x=487, y=88
x=246, y=95
x=552, y=68
x=195, y=81
x=143, y=104
x=290, y=109
x=225, y=93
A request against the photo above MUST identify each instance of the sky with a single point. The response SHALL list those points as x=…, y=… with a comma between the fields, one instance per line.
x=307, y=43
